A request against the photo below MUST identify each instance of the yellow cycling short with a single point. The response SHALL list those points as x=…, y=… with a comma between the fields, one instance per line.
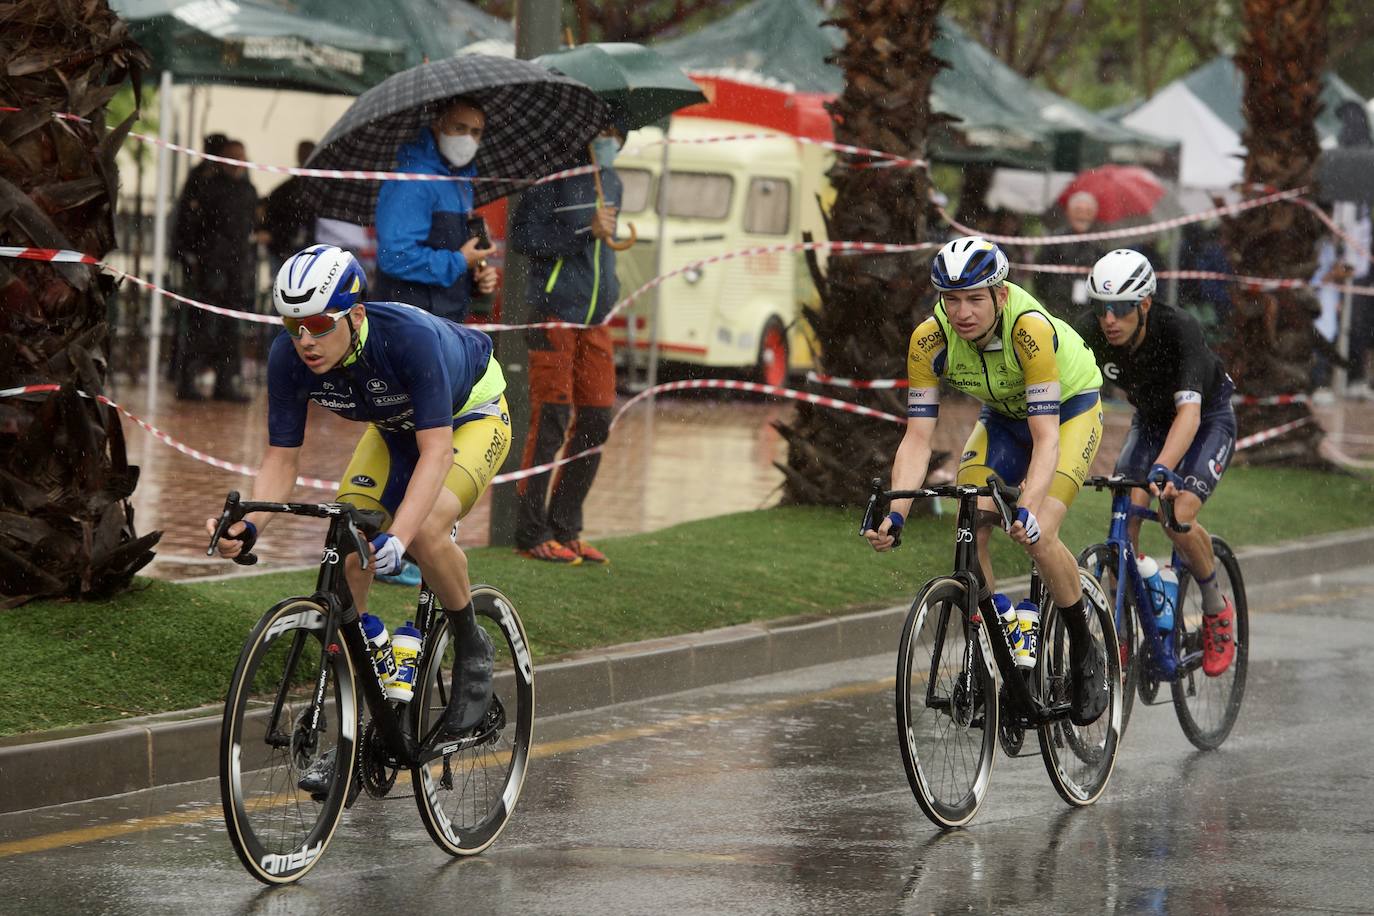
x=383, y=462
x=999, y=443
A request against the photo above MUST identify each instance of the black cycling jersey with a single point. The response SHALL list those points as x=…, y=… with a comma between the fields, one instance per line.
x=1172, y=366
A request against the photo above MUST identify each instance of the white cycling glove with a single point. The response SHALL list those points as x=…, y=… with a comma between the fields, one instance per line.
x=1027, y=519
x=390, y=554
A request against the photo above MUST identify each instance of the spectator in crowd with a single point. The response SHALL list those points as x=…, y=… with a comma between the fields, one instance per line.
x=1067, y=293
x=213, y=240
x=1209, y=300
x=1330, y=269
x=1357, y=227
x=564, y=229
x=426, y=254
x=288, y=219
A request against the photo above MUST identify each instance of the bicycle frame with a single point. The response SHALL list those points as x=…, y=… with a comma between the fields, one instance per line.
x=981, y=621
x=342, y=618
x=1128, y=573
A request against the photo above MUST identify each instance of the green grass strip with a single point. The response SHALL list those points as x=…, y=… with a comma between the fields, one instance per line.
x=167, y=646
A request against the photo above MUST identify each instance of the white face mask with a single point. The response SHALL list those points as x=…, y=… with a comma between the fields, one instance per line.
x=458, y=150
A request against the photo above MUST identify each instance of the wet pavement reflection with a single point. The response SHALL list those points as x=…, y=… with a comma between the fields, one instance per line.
x=679, y=459
x=785, y=794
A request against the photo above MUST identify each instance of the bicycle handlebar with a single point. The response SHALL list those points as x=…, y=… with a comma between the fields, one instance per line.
x=1166, y=506
x=1003, y=495
x=363, y=524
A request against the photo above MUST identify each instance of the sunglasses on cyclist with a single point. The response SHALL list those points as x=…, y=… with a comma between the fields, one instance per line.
x=317, y=325
x=1120, y=308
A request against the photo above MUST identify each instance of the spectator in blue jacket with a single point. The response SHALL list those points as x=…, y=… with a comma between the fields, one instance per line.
x=426, y=256
x=565, y=228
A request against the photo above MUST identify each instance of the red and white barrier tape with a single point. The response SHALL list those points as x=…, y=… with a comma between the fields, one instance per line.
x=889, y=160
x=1149, y=229
x=862, y=384
x=1260, y=282
x=321, y=484
x=1268, y=434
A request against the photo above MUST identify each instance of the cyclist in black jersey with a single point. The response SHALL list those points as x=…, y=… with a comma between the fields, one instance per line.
x=1183, y=431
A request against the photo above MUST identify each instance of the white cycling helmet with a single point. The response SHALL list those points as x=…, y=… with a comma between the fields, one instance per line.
x=1122, y=275
x=968, y=263
x=318, y=279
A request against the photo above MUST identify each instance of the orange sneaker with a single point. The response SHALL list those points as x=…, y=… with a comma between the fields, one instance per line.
x=551, y=552
x=587, y=552
x=1218, y=641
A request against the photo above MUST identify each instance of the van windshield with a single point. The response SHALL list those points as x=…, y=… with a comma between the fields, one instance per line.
x=699, y=195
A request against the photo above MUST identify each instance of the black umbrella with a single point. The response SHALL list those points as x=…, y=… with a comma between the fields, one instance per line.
x=537, y=123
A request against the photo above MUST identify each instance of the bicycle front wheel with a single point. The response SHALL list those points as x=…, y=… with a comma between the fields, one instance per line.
x=1103, y=561
x=467, y=795
x=1079, y=759
x=268, y=740
x=946, y=705
x=1207, y=707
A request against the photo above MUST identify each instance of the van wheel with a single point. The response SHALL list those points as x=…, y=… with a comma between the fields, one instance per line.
x=771, y=366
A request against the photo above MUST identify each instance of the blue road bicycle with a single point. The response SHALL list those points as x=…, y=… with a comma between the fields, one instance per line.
x=1207, y=707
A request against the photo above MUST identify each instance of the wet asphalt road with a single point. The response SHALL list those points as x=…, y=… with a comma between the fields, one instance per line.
x=790, y=798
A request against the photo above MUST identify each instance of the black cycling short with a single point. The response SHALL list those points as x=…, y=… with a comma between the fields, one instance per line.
x=1204, y=462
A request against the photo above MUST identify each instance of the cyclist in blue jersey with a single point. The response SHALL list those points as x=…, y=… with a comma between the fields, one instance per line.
x=437, y=431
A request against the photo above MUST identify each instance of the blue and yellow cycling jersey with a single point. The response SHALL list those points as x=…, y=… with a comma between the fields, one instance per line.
x=413, y=371
x=1034, y=363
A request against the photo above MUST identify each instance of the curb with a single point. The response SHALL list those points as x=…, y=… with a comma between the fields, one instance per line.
x=67, y=765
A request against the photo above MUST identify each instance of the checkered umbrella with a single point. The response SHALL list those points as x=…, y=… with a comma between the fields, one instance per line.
x=537, y=123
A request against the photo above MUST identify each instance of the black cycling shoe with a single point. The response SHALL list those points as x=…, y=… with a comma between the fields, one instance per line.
x=1090, y=693
x=471, y=685
x=318, y=776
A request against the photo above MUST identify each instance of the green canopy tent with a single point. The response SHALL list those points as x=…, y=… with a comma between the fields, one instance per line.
x=240, y=43
x=1004, y=119
x=429, y=29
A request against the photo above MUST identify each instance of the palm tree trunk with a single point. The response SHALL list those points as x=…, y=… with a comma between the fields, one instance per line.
x=1282, y=57
x=66, y=527
x=869, y=304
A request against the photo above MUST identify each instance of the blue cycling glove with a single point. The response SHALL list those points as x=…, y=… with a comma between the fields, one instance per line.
x=390, y=554
x=1028, y=521
x=1165, y=472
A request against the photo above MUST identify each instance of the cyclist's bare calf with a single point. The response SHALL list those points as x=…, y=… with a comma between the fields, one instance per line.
x=1195, y=544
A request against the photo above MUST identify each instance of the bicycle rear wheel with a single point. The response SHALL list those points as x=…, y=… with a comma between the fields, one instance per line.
x=1102, y=561
x=266, y=743
x=466, y=796
x=1207, y=707
x=1079, y=759
x=946, y=722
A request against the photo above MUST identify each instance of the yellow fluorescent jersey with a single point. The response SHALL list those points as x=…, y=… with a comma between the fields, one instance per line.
x=1032, y=364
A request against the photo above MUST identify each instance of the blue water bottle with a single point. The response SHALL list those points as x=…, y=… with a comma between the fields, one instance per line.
x=1156, y=593
x=1164, y=615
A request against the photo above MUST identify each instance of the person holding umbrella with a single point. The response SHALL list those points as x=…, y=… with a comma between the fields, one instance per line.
x=432, y=120
x=426, y=255
x=568, y=232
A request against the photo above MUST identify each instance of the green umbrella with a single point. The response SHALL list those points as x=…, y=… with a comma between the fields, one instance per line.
x=642, y=83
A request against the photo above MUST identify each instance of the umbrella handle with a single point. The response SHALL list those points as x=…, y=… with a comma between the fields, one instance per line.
x=623, y=244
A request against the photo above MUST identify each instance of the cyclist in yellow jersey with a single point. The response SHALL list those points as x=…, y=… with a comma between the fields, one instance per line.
x=1040, y=426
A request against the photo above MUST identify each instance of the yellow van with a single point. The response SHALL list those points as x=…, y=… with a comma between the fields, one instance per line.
x=741, y=314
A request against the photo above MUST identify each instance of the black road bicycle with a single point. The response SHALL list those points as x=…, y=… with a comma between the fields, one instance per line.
x=295, y=695
x=951, y=713
x=1207, y=707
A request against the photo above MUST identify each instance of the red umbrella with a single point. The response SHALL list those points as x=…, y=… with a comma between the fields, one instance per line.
x=1121, y=191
